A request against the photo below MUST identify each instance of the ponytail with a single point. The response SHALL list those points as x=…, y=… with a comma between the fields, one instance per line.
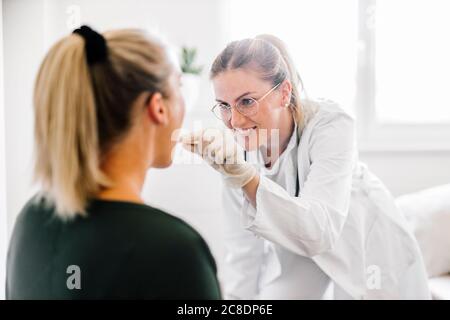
x=82, y=110
x=66, y=135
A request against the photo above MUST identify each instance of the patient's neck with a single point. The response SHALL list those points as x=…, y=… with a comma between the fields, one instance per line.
x=126, y=170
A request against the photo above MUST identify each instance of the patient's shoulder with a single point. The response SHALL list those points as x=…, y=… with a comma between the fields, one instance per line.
x=154, y=226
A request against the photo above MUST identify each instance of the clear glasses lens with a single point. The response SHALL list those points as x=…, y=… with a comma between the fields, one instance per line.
x=245, y=106
x=222, y=112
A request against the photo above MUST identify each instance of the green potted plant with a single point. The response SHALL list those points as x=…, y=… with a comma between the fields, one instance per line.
x=191, y=76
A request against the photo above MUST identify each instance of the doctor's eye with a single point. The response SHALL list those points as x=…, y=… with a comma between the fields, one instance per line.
x=247, y=103
x=224, y=106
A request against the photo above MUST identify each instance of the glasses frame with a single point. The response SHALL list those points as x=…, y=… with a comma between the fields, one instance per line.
x=217, y=105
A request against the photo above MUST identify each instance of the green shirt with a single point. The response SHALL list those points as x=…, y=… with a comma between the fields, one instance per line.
x=121, y=250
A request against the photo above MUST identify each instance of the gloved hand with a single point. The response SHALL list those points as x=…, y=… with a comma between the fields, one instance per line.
x=218, y=148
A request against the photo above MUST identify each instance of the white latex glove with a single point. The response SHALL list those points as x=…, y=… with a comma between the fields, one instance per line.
x=218, y=148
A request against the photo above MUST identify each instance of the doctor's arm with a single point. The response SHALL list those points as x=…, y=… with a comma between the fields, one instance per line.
x=310, y=224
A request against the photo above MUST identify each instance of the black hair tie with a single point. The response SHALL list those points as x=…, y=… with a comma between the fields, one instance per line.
x=95, y=44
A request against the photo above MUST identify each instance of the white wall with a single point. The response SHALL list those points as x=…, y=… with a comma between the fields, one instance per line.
x=409, y=171
x=3, y=216
x=23, y=51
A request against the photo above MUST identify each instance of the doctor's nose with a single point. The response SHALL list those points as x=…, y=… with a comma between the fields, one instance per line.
x=237, y=119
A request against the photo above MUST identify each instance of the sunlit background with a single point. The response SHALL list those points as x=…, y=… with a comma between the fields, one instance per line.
x=386, y=62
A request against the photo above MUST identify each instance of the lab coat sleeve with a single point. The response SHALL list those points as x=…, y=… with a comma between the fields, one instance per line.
x=243, y=250
x=310, y=224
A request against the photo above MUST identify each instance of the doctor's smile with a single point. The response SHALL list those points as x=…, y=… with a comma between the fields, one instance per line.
x=208, y=168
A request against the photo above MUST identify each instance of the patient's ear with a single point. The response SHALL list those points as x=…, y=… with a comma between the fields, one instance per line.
x=157, y=109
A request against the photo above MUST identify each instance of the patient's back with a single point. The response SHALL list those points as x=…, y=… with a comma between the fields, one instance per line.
x=120, y=250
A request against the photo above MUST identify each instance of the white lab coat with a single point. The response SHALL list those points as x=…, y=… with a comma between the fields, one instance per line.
x=343, y=228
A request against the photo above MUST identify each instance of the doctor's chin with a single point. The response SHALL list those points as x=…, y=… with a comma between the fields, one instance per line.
x=224, y=154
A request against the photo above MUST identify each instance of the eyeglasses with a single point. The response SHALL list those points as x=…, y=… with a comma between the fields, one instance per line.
x=246, y=106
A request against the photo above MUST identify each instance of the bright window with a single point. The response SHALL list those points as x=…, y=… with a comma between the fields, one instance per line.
x=412, y=61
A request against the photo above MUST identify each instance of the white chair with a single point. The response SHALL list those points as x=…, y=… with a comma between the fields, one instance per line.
x=428, y=212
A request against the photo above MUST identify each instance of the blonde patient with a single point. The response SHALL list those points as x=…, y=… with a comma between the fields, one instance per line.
x=106, y=106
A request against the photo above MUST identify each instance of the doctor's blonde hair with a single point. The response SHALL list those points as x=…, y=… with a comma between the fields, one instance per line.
x=269, y=57
x=82, y=110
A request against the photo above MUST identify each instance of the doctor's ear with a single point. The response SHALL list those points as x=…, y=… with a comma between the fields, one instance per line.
x=156, y=108
x=286, y=92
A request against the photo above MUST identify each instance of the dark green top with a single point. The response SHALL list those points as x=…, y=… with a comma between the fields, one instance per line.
x=123, y=250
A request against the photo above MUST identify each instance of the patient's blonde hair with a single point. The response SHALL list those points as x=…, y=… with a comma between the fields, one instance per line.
x=81, y=110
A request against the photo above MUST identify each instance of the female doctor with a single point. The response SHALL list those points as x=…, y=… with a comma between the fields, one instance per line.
x=307, y=214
